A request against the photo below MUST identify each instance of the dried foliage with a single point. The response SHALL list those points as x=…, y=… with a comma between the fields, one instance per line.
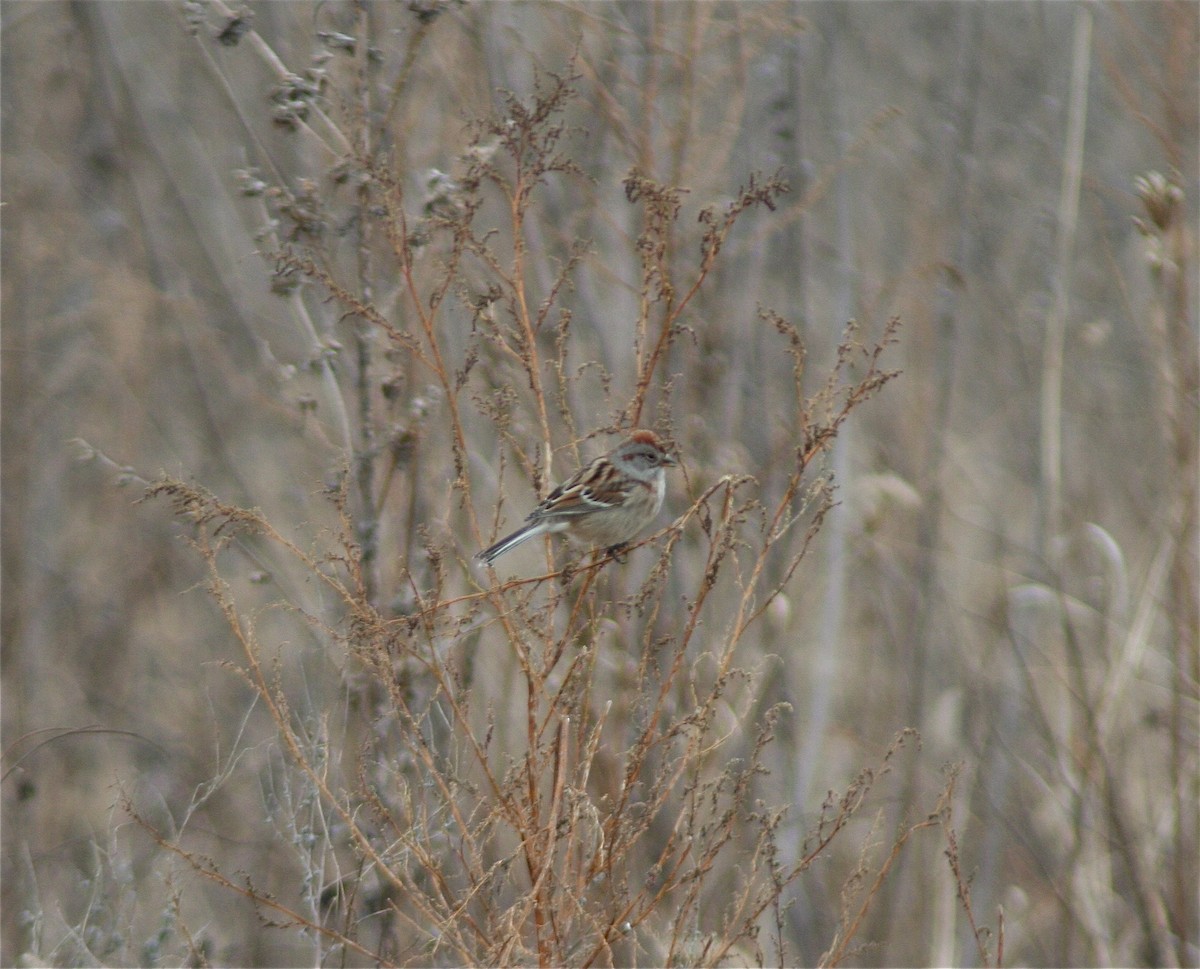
x=575, y=824
x=437, y=255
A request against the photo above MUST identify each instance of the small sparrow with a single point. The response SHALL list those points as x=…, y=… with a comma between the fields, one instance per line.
x=605, y=503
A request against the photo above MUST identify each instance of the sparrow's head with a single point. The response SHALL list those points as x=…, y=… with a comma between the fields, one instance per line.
x=645, y=450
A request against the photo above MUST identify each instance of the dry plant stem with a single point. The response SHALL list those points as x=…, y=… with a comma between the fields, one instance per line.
x=1097, y=766
x=1087, y=764
x=274, y=701
x=399, y=87
x=999, y=936
x=512, y=811
x=723, y=154
x=571, y=867
x=737, y=913
x=300, y=313
x=569, y=627
x=854, y=154
x=200, y=508
x=648, y=88
x=518, y=198
x=695, y=17
x=58, y=734
x=204, y=867
x=344, y=147
x=818, y=436
x=280, y=714
x=847, y=807
x=978, y=933
x=1170, y=248
x=1052, y=358
x=455, y=906
x=354, y=305
x=645, y=740
x=248, y=127
x=172, y=172
x=569, y=767
x=398, y=236
x=275, y=704
x=535, y=820
x=840, y=950
x=544, y=908
x=957, y=217
x=661, y=210
x=364, y=456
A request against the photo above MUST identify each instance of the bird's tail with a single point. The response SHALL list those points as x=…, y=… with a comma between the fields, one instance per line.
x=493, y=552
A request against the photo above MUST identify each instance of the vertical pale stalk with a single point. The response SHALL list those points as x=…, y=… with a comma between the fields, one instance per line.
x=828, y=645
x=1052, y=351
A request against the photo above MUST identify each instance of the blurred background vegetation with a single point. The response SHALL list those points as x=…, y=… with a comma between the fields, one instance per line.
x=1012, y=567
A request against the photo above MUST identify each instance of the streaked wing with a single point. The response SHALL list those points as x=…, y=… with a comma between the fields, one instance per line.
x=586, y=492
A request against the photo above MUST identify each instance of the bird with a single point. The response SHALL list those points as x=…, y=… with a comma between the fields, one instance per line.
x=603, y=504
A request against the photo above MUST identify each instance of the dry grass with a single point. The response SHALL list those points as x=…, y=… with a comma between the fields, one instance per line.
x=333, y=293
